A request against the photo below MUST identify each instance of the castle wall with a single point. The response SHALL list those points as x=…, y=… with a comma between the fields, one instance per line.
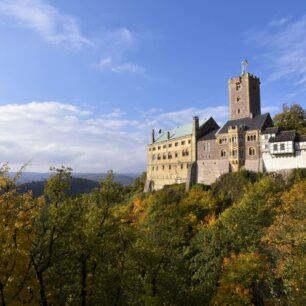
x=275, y=163
x=168, y=161
x=254, y=165
x=210, y=170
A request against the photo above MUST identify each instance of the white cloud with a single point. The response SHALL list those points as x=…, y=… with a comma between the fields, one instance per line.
x=46, y=20
x=278, y=22
x=53, y=133
x=108, y=64
x=285, y=50
x=59, y=28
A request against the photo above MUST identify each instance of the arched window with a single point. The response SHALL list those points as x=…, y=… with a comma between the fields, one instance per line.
x=223, y=153
x=251, y=151
x=158, y=157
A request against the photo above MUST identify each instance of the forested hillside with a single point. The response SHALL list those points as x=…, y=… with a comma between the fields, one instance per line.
x=77, y=186
x=240, y=242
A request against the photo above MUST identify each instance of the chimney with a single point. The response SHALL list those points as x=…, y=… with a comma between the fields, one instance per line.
x=195, y=124
x=195, y=129
x=153, y=135
x=168, y=135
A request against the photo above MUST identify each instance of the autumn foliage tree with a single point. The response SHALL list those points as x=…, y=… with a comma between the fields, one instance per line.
x=240, y=241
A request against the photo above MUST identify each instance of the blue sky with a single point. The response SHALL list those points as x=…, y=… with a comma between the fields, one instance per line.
x=83, y=82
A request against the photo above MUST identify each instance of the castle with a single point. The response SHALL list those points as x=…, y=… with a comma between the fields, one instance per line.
x=202, y=151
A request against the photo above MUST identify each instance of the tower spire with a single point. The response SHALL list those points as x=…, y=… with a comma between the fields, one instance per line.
x=244, y=66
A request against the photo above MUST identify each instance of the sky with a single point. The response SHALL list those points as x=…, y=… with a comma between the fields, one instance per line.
x=82, y=83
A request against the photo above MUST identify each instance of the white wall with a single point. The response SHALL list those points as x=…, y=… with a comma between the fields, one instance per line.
x=282, y=162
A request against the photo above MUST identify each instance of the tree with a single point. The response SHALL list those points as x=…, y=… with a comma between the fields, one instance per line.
x=286, y=243
x=17, y=215
x=237, y=229
x=241, y=279
x=292, y=118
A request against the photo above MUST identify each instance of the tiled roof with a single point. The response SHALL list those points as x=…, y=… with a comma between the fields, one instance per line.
x=270, y=130
x=284, y=136
x=256, y=123
x=177, y=132
x=301, y=138
x=210, y=135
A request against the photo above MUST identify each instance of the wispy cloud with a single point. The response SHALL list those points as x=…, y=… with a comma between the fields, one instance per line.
x=157, y=118
x=57, y=27
x=54, y=133
x=285, y=50
x=46, y=20
x=278, y=22
x=108, y=64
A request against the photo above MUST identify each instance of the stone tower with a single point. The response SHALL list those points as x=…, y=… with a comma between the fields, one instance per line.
x=244, y=96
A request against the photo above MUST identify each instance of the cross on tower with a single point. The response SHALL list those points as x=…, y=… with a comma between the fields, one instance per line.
x=244, y=65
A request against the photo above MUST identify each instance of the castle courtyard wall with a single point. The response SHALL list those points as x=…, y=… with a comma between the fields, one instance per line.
x=276, y=163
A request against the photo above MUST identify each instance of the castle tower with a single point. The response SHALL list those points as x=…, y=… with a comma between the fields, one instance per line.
x=244, y=95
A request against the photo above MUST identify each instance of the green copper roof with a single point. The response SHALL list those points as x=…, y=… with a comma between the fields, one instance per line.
x=180, y=131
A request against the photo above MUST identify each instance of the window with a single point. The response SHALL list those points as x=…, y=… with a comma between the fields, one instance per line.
x=266, y=146
x=182, y=166
x=153, y=157
x=234, y=153
x=266, y=136
x=251, y=137
x=154, y=149
x=164, y=156
x=163, y=167
x=169, y=167
x=275, y=147
x=238, y=86
x=223, y=153
x=189, y=141
x=223, y=140
x=175, y=154
x=169, y=155
x=164, y=146
x=169, y=145
x=149, y=149
x=186, y=153
x=282, y=147
x=153, y=168
x=238, y=111
x=251, y=151
x=158, y=148
x=206, y=146
x=156, y=168
x=182, y=142
x=158, y=157
x=234, y=139
x=238, y=99
x=176, y=144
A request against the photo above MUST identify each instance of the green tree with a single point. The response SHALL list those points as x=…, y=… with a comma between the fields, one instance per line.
x=292, y=118
x=286, y=242
x=17, y=215
x=238, y=229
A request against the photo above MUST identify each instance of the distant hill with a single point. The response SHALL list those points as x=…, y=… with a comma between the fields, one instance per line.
x=78, y=186
x=124, y=179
